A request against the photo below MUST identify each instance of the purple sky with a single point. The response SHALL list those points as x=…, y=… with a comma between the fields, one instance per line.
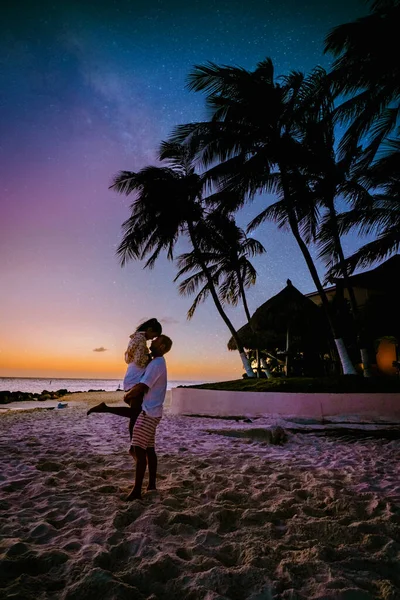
x=87, y=89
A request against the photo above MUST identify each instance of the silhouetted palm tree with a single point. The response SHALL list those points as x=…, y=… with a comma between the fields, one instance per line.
x=329, y=179
x=226, y=250
x=368, y=69
x=255, y=132
x=168, y=203
x=381, y=215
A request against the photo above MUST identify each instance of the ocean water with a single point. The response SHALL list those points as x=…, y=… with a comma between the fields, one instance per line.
x=37, y=385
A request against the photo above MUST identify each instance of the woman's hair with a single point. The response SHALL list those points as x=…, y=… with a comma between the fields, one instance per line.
x=151, y=324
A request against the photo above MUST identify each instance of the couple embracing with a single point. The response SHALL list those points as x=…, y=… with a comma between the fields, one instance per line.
x=145, y=383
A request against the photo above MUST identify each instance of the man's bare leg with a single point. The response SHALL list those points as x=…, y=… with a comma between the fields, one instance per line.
x=151, y=458
x=152, y=464
x=141, y=463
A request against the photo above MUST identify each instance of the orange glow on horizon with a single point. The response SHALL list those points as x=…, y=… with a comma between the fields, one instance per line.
x=103, y=365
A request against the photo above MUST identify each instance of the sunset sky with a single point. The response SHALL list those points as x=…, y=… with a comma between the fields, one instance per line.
x=90, y=87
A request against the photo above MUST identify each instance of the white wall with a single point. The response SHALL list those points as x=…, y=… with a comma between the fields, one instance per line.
x=318, y=406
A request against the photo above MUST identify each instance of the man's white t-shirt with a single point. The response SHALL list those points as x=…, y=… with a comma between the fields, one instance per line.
x=155, y=377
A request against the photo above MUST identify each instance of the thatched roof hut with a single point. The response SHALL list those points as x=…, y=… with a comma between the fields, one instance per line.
x=287, y=309
x=291, y=321
x=252, y=340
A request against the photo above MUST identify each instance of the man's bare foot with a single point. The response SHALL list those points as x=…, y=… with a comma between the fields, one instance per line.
x=134, y=495
x=99, y=408
x=151, y=488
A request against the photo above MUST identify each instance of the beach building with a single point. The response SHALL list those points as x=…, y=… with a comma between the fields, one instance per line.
x=376, y=292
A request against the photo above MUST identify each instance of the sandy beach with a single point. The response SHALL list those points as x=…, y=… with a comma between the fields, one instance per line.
x=233, y=517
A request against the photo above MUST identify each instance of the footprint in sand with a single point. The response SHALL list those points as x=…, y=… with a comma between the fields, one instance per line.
x=191, y=519
x=184, y=553
x=48, y=466
x=124, y=518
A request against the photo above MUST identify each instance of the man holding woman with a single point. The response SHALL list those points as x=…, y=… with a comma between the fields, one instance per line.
x=145, y=398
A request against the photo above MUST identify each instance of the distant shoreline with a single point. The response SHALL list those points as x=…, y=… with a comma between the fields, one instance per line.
x=74, y=399
x=36, y=385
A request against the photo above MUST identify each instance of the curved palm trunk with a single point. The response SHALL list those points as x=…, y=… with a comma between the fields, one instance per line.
x=247, y=312
x=347, y=366
x=366, y=363
x=352, y=298
x=342, y=260
x=214, y=295
x=287, y=358
x=243, y=296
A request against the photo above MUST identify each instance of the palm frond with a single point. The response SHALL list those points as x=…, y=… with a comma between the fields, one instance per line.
x=383, y=247
x=201, y=297
x=124, y=182
x=249, y=275
x=327, y=242
x=215, y=79
x=276, y=212
x=253, y=247
x=190, y=285
x=229, y=289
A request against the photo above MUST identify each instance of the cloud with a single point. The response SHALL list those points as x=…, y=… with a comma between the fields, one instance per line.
x=168, y=321
x=101, y=349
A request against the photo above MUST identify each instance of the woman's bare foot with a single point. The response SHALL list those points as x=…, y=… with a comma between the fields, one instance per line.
x=99, y=408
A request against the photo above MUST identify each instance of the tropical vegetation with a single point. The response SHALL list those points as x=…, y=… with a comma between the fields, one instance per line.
x=280, y=137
